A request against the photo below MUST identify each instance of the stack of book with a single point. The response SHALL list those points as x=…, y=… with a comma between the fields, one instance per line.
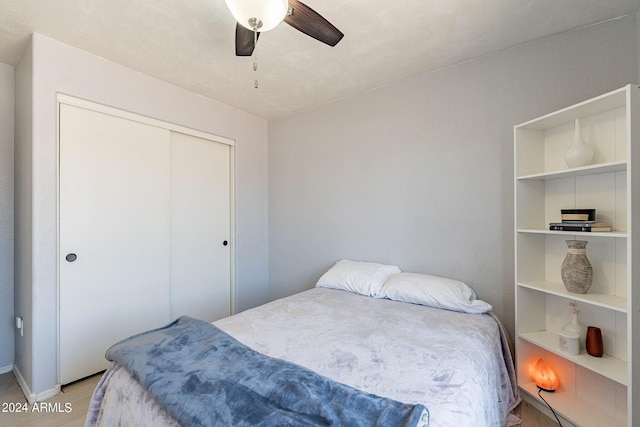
x=580, y=226
x=579, y=220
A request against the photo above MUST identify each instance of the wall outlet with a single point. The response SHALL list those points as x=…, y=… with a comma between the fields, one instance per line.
x=20, y=325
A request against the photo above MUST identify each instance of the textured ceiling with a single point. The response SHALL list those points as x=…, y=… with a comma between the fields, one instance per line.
x=190, y=43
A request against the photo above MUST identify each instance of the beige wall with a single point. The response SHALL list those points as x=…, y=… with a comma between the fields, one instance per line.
x=7, y=88
x=420, y=173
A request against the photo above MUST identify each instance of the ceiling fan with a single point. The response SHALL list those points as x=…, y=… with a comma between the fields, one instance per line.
x=256, y=16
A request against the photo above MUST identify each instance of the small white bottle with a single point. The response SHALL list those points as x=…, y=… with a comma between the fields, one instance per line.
x=569, y=342
x=573, y=334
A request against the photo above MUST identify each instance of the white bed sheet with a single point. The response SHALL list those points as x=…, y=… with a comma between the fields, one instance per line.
x=450, y=362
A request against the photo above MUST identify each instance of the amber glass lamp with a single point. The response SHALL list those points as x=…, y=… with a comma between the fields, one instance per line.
x=544, y=377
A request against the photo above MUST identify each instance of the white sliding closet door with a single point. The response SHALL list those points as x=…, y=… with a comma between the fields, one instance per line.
x=114, y=235
x=200, y=228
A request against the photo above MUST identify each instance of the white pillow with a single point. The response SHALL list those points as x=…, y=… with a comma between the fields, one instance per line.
x=365, y=278
x=433, y=291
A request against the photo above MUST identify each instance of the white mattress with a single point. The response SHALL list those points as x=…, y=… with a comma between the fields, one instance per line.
x=450, y=362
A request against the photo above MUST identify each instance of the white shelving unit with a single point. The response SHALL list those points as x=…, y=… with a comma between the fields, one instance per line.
x=593, y=391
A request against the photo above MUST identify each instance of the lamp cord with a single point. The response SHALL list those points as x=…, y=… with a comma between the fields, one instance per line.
x=554, y=412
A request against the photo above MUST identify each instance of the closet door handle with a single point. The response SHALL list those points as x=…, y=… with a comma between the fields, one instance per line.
x=71, y=257
x=225, y=243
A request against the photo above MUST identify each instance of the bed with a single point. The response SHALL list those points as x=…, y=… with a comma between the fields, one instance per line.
x=417, y=340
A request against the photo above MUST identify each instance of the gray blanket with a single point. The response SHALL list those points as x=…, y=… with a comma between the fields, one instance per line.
x=204, y=377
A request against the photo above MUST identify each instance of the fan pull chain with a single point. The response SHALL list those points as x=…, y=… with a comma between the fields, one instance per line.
x=255, y=58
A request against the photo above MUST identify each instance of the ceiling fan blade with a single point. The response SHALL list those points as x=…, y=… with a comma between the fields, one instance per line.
x=244, y=41
x=310, y=22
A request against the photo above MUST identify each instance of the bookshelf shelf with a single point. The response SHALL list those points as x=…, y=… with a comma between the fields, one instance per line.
x=594, y=391
x=605, y=234
x=610, y=302
x=578, y=411
x=585, y=170
x=608, y=366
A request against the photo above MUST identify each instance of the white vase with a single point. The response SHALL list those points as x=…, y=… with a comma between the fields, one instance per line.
x=579, y=153
x=575, y=327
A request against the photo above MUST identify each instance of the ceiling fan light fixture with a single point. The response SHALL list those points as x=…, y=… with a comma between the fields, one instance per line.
x=262, y=15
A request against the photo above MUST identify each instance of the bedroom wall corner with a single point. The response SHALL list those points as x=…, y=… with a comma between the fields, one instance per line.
x=23, y=227
x=23, y=230
x=7, y=100
x=637, y=52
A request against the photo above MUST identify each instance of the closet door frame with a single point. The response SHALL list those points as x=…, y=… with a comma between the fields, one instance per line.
x=100, y=108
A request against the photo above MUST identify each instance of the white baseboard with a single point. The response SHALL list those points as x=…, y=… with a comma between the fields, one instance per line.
x=34, y=397
x=5, y=369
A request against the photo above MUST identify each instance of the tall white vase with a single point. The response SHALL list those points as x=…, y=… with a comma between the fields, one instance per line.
x=579, y=153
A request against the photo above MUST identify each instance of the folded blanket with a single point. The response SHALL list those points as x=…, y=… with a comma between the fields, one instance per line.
x=204, y=377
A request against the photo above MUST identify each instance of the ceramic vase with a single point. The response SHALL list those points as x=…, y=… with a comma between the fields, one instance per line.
x=576, y=270
x=594, y=342
x=571, y=330
x=579, y=152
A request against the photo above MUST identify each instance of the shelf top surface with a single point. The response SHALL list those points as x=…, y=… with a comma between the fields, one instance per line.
x=584, y=170
x=611, y=302
x=607, y=366
x=606, y=234
x=572, y=408
x=600, y=104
